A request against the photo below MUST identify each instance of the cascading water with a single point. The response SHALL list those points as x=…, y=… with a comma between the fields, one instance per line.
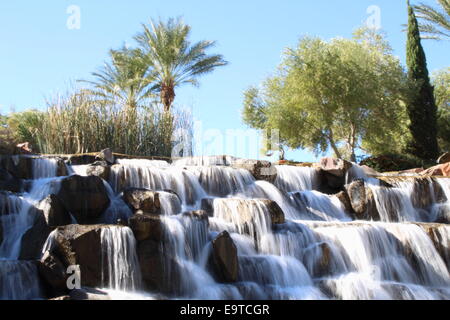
x=317, y=253
x=120, y=259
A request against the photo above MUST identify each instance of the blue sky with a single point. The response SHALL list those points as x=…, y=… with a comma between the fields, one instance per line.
x=40, y=57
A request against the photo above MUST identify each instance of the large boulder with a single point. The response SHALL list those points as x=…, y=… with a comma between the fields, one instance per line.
x=106, y=155
x=80, y=159
x=146, y=227
x=86, y=198
x=159, y=268
x=21, y=167
x=54, y=211
x=143, y=200
x=444, y=158
x=345, y=200
x=260, y=169
x=100, y=169
x=34, y=238
x=225, y=258
x=61, y=168
x=8, y=182
x=81, y=245
x=335, y=167
x=332, y=174
x=362, y=201
x=53, y=273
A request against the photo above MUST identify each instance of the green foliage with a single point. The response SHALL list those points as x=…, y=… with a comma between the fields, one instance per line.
x=394, y=162
x=79, y=123
x=435, y=22
x=441, y=83
x=25, y=125
x=122, y=81
x=7, y=141
x=344, y=94
x=421, y=107
x=171, y=59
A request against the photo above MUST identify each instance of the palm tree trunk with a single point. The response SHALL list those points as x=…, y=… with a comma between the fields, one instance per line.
x=167, y=95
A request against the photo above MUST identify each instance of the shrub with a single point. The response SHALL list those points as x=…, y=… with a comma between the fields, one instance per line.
x=394, y=162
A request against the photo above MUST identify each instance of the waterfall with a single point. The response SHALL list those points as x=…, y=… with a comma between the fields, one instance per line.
x=311, y=250
x=290, y=178
x=19, y=281
x=120, y=259
x=44, y=168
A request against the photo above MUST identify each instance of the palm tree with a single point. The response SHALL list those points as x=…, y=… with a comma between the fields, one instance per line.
x=123, y=81
x=436, y=22
x=172, y=59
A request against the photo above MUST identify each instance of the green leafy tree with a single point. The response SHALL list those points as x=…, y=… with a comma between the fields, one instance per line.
x=342, y=94
x=172, y=59
x=441, y=82
x=422, y=107
x=435, y=22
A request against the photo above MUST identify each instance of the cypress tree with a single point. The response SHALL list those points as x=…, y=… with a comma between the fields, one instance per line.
x=422, y=108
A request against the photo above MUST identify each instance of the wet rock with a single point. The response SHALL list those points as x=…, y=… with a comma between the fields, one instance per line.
x=345, y=200
x=9, y=183
x=100, y=169
x=439, y=194
x=106, y=155
x=442, y=170
x=332, y=173
x=261, y=170
x=422, y=196
x=444, y=158
x=197, y=215
x=207, y=205
x=53, y=274
x=54, y=211
x=86, y=198
x=225, y=258
x=362, y=201
x=146, y=227
x=80, y=159
x=160, y=270
x=21, y=167
x=34, y=238
x=81, y=245
x=144, y=200
x=276, y=213
x=335, y=167
x=61, y=169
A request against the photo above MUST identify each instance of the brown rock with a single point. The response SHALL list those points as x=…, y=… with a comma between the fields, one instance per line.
x=142, y=199
x=439, y=170
x=345, y=200
x=362, y=201
x=197, y=215
x=335, y=167
x=160, y=271
x=81, y=245
x=261, y=170
x=100, y=169
x=86, y=198
x=106, y=155
x=34, y=238
x=147, y=227
x=53, y=273
x=54, y=211
x=225, y=258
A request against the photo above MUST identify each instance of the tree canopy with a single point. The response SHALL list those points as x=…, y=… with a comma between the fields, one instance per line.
x=441, y=83
x=343, y=94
